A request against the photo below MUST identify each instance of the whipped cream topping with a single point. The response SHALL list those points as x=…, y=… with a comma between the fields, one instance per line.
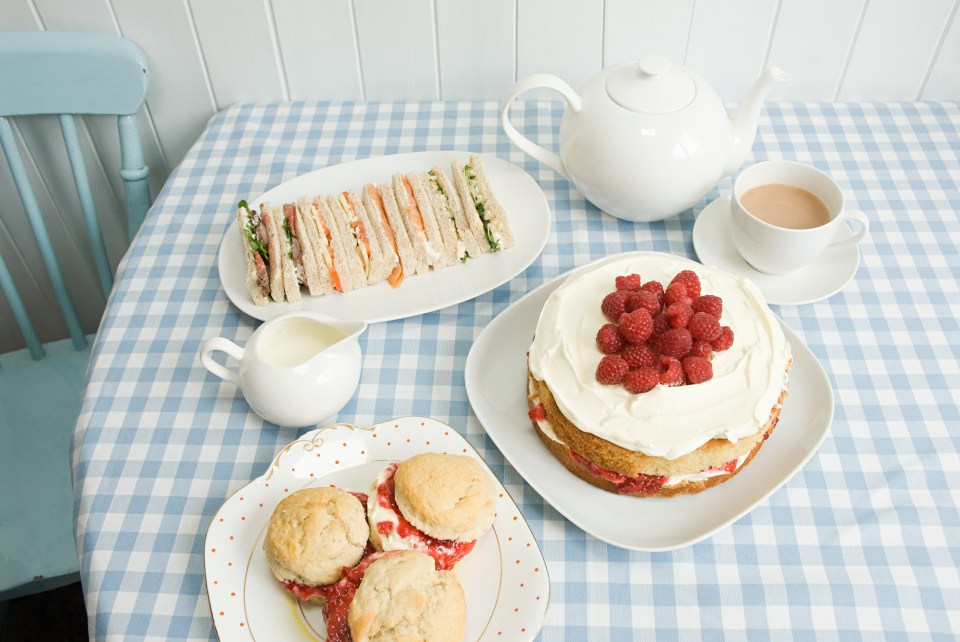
x=665, y=422
x=391, y=541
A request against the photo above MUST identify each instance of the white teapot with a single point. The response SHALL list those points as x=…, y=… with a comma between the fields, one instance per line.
x=647, y=139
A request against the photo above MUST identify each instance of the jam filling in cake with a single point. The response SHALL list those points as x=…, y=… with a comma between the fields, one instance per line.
x=397, y=533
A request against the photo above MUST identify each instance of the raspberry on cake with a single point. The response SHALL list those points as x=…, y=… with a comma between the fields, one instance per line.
x=702, y=390
x=432, y=503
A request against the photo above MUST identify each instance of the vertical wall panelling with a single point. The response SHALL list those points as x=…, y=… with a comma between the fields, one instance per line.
x=317, y=43
x=179, y=98
x=635, y=28
x=943, y=81
x=894, y=49
x=477, y=48
x=811, y=41
x=237, y=44
x=562, y=37
x=397, y=49
x=728, y=43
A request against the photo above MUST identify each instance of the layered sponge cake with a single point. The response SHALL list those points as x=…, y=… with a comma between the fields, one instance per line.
x=652, y=375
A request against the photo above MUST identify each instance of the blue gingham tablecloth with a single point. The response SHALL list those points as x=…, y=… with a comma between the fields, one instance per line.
x=864, y=541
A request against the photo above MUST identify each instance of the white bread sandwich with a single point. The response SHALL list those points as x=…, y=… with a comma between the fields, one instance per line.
x=288, y=264
x=448, y=233
x=390, y=230
x=376, y=265
x=261, y=253
x=346, y=260
x=421, y=225
x=324, y=244
x=458, y=238
x=481, y=205
x=315, y=247
x=302, y=253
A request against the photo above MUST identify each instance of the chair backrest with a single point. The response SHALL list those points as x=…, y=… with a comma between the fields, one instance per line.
x=69, y=74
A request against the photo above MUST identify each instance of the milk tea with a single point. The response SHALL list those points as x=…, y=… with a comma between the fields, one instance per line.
x=786, y=206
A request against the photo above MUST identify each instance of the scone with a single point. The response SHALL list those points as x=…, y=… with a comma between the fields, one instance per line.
x=312, y=536
x=433, y=503
x=404, y=598
x=646, y=389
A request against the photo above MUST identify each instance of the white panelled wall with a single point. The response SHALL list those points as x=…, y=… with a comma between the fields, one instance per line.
x=206, y=55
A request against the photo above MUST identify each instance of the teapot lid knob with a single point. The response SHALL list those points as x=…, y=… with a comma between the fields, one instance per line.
x=653, y=65
x=651, y=85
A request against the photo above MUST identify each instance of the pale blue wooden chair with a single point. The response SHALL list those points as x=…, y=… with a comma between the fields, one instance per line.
x=63, y=74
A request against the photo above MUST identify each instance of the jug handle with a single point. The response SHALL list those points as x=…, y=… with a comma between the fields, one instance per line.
x=215, y=344
x=537, y=81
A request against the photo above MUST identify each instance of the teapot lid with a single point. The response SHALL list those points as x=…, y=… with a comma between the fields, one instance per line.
x=653, y=85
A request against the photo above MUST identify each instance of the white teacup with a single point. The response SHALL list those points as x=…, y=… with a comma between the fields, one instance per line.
x=773, y=249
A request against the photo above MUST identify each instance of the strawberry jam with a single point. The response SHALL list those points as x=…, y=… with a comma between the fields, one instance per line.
x=445, y=552
x=647, y=484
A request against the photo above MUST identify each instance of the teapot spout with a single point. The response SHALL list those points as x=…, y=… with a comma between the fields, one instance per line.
x=744, y=120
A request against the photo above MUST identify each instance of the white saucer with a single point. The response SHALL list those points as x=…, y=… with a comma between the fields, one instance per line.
x=823, y=278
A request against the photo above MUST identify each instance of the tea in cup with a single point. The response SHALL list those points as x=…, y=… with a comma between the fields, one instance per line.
x=786, y=214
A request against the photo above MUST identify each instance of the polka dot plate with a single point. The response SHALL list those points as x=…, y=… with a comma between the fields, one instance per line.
x=504, y=578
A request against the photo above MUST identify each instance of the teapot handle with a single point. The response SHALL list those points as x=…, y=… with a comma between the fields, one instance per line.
x=536, y=81
x=223, y=345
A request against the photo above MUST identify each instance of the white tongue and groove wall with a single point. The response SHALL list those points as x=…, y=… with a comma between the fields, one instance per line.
x=206, y=55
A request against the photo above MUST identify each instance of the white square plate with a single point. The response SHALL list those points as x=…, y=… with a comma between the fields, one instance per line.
x=504, y=578
x=496, y=381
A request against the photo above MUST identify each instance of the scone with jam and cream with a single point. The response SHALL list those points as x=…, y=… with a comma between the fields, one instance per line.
x=313, y=537
x=433, y=503
x=652, y=375
x=403, y=596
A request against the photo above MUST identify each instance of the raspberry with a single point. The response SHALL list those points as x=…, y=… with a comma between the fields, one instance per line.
x=609, y=340
x=680, y=314
x=654, y=287
x=690, y=279
x=704, y=326
x=629, y=282
x=661, y=323
x=701, y=349
x=538, y=413
x=724, y=341
x=676, y=292
x=645, y=484
x=675, y=342
x=641, y=379
x=614, y=304
x=697, y=369
x=636, y=326
x=646, y=300
x=611, y=369
x=712, y=305
x=638, y=355
x=672, y=374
